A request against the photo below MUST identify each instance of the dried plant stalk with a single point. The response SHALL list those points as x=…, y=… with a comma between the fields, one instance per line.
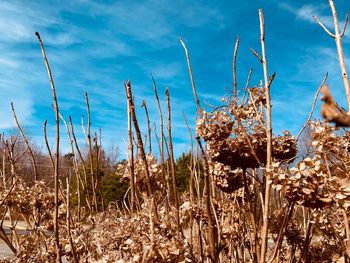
x=347, y=232
x=131, y=161
x=338, y=37
x=97, y=186
x=288, y=213
x=148, y=126
x=161, y=127
x=192, y=168
x=56, y=226
x=191, y=74
x=264, y=229
x=88, y=140
x=234, y=68
x=48, y=146
x=31, y=154
x=312, y=107
x=88, y=200
x=140, y=146
x=172, y=162
x=68, y=219
x=247, y=84
x=75, y=165
x=212, y=231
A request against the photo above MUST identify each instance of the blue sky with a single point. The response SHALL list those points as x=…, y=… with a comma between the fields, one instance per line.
x=96, y=46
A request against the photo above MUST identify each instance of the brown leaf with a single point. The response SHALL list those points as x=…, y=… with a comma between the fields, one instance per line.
x=332, y=112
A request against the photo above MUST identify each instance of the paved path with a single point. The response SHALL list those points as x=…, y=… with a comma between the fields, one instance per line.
x=21, y=229
x=5, y=251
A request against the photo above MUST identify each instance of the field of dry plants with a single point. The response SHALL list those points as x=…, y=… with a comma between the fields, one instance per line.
x=251, y=196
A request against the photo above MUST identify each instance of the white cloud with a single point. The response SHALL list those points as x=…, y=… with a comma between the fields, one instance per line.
x=75, y=52
x=306, y=13
x=161, y=71
x=151, y=21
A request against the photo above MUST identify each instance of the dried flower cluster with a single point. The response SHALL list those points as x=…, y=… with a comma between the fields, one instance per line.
x=303, y=218
x=320, y=179
x=236, y=140
x=33, y=202
x=154, y=168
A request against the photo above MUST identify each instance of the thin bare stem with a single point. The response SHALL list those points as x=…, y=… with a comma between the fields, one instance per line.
x=345, y=25
x=192, y=168
x=338, y=40
x=247, y=84
x=161, y=135
x=255, y=53
x=264, y=229
x=97, y=168
x=68, y=219
x=140, y=145
x=148, y=125
x=131, y=161
x=8, y=194
x=31, y=154
x=288, y=212
x=234, y=69
x=312, y=107
x=75, y=161
x=212, y=235
x=323, y=27
x=172, y=163
x=347, y=232
x=88, y=201
x=48, y=146
x=191, y=75
x=192, y=157
x=88, y=140
x=56, y=226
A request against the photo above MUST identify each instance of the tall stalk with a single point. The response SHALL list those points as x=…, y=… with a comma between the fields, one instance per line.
x=338, y=37
x=161, y=142
x=212, y=230
x=172, y=162
x=75, y=166
x=191, y=74
x=68, y=220
x=31, y=154
x=88, y=201
x=131, y=162
x=88, y=140
x=148, y=126
x=140, y=147
x=56, y=174
x=264, y=229
x=234, y=68
x=192, y=170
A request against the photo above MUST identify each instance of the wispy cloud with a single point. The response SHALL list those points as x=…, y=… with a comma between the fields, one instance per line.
x=308, y=11
x=95, y=46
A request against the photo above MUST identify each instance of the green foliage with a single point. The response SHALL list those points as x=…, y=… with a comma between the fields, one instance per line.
x=113, y=188
x=183, y=172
